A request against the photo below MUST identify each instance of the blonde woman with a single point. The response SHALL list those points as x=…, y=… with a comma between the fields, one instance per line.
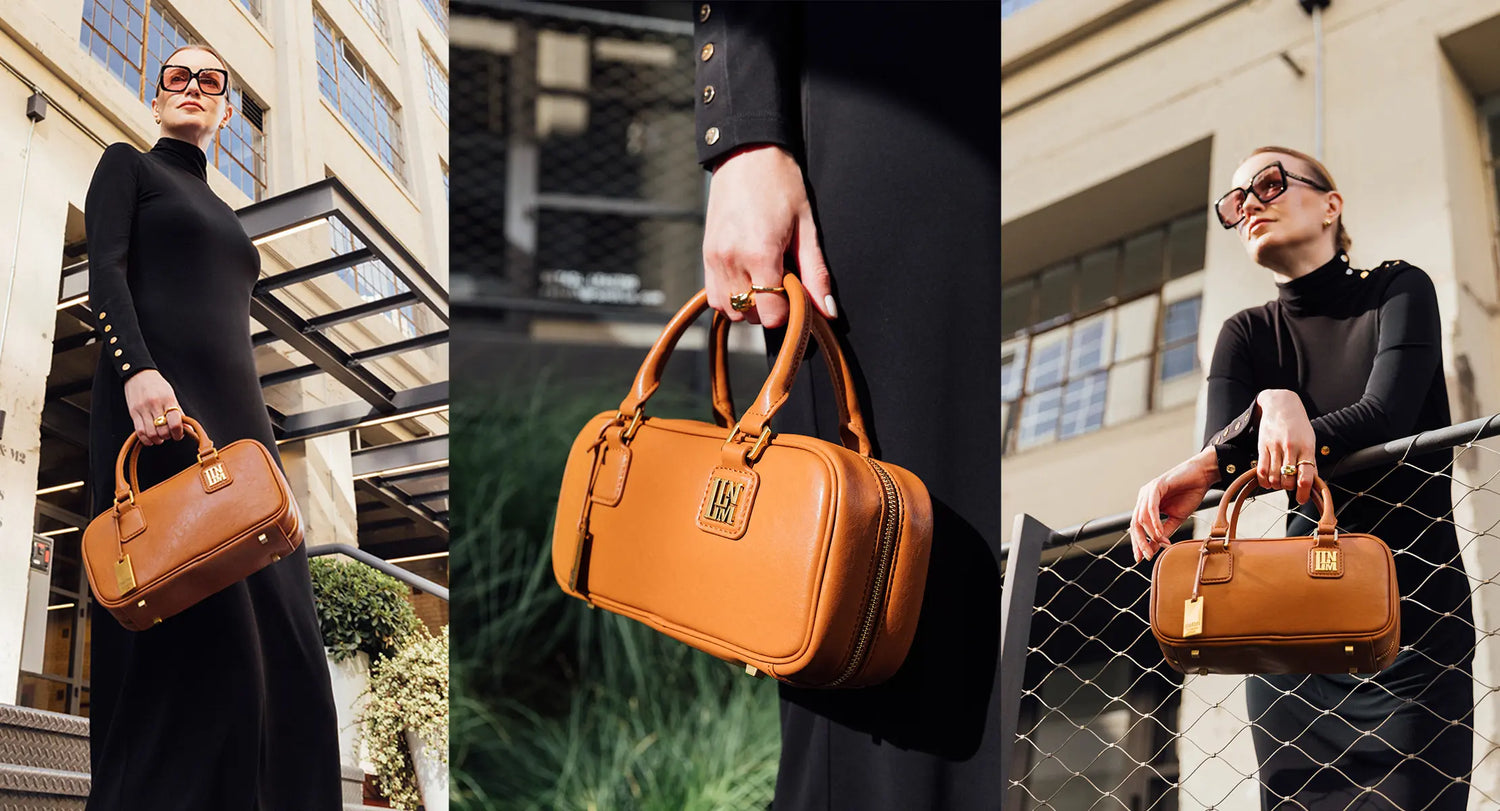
x=226, y=706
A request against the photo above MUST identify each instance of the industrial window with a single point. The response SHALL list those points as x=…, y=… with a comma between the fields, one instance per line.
x=349, y=85
x=132, y=37
x=372, y=280
x=1103, y=337
x=375, y=13
x=438, y=9
x=437, y=84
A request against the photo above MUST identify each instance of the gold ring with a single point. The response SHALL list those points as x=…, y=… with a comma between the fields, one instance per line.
x=169, y=410
x=742, y=301
x=755, y=288
x=160, y=421
x=1288, y=470
x=1307, y=462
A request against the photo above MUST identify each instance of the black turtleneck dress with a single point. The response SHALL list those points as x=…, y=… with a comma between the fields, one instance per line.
x=1363, y=351
x=226, y=706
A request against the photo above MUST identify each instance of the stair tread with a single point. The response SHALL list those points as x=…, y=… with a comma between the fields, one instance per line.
x=43, y=781
x=43, y=720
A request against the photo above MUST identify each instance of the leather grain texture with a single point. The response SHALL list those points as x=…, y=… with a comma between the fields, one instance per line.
x=197, y=537
x=1267, y=605
x=805, y=560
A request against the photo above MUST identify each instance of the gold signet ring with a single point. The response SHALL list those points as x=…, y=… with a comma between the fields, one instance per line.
x=1288, y=470
x=161, y=420
x=742, y=301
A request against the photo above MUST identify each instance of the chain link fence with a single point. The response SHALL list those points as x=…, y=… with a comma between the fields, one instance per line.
x=578, y=182
x=1102, y=723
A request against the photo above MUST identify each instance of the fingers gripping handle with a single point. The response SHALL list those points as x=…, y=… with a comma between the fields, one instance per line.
x=125, y=489
x=1247, y=485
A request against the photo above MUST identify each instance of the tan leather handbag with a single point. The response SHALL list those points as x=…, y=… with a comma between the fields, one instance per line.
x=798, y=558
x=1321, y=604
x=161, y=550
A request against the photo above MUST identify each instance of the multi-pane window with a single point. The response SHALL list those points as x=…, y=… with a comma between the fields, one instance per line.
x=132, y=37
x=372, y=280
x=375, y=13
x=1103, y=337
x=351, y=87
x=437, y=84
x=438, y=9
x=252, y=6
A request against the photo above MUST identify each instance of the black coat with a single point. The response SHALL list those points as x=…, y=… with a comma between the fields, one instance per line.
x=893, y=112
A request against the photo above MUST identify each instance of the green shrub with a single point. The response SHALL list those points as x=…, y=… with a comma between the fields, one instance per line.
x=360, y=609
x=408, y=690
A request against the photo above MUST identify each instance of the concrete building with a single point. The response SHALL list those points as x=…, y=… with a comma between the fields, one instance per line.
x=337, y=162
x=1122, y=120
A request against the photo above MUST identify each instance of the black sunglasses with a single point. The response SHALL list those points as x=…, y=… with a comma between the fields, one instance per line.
x=211, y=81
x=1267, y=185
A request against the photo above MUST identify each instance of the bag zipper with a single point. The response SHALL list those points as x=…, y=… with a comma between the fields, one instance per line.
x=890, y=522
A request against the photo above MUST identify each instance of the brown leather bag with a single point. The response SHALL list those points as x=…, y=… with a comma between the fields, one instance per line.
x=161, y=550
x=797, y=558
x=1321, y=604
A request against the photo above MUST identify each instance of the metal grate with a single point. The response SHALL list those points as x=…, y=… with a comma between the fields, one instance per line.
x=1101, y=722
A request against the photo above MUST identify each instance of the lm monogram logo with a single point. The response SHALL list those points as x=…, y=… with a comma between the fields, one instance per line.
x=215, y=474
x=724, y=497
x=1325, y=560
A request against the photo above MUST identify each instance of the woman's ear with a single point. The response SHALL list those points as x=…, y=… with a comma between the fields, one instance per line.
x=155, y=111
x=1335, y=204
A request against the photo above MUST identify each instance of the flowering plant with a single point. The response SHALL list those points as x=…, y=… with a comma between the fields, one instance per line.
x=408, y=691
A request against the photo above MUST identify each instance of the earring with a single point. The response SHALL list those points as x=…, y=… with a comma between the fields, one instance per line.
x=1327, y=222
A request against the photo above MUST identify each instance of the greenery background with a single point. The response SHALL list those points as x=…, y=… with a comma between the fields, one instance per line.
x=554, y=705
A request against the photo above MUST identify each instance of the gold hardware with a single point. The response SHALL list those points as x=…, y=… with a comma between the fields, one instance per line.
x=112, y=340
x=118, y=351
x=156, y=621
x=108, y=327
x=711, y=137
x=1325, y=560
x=141, y=604
x=703, y=12
x=1229, y=469
x=719, y=508
x=275, y=558
x=124, y=575
x=1192, y=617
x=262, y=538
x=1348, y=650
x=708, y=93
x=760, y=443
x=1362, y=274
x=751, y=671
x=125, y=367
x=1324, y=450
x=707, y=53
x=101, y=315
x=1193, y=653
x=635, y=425
x=214, y=474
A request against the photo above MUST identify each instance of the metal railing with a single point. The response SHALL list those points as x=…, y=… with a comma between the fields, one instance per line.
x=415, y=581
x=1092, y=717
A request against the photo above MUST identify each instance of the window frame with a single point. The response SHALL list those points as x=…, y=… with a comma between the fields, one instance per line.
x=363, y=102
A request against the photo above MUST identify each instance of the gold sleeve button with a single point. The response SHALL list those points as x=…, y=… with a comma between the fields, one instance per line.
x=124, y=367
x=108, y=327
x=101, y=315
x=707, y=53
x=1325, y=450
x=712, y=136
x=1229, y=469
x=708, y=93
x=118, y=351
x=703, y=12
x=112, y=340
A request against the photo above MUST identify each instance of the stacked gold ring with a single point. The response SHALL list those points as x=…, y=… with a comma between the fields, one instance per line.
x=744, y=301
x=162, y=418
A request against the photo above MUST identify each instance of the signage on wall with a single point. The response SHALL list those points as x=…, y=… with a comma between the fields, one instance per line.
x=599, y=288
x=41, y=555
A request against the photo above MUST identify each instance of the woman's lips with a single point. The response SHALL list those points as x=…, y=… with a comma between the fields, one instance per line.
x=1257, y=224
x=195, y=105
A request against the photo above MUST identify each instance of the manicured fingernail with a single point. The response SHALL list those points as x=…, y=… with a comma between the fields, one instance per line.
x=828, y=305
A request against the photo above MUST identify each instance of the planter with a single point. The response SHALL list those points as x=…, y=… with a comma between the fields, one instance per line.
x=432, y=773
x=351, y=685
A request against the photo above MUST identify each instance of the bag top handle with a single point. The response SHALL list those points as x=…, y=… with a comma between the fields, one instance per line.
x=131, y=449
x=1247, y=485
x=803, y=322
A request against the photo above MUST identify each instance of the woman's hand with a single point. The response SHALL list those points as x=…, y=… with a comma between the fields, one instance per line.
x=1178, y=492
x=757, y=210
x=148, y=395
x=1286, y=438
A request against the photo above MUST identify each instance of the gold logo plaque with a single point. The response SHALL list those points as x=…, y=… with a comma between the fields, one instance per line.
x=1325, y=560
x=213, y=474
x=1192, y=616
x=124, y=575
x=724, y=497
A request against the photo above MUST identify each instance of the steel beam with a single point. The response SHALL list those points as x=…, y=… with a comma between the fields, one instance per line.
x=307, y=273
x=334, y=419
x=368, y=461
x=320, y=349
x=395, y=502
x=362, y=311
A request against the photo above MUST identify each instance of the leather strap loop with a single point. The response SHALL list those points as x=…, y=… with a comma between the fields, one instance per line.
x=803, y=322
x=125, y=489
x=1248, y=485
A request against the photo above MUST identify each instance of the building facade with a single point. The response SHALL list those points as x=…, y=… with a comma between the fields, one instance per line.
x=337, y=160
x=1122, y=120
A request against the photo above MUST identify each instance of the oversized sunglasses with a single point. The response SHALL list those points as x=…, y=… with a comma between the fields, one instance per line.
x=1267, y=185
x=211, y=81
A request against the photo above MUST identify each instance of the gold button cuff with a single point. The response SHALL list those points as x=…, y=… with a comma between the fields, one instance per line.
x=712, y=136
x=108, y=327
x=707, y=53
x=1229, y=469
x=101, y=316
x=124, y=367
x=703, y=12
x=708, y=93
x=1325, y=450
x=112, y=340
x=118, y=351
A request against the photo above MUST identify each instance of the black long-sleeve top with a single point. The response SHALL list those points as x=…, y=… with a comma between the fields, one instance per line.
x=1363, y=351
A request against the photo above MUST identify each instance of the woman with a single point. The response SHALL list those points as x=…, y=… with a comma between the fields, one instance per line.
x=841, y=140
x=1342, y=359
x=227, y=705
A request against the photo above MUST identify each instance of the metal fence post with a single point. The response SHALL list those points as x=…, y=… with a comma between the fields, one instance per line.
x=1027, y=540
